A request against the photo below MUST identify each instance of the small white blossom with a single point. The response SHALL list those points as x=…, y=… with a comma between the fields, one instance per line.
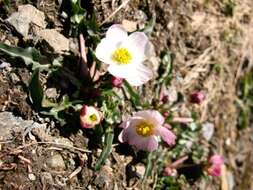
x=125, y=54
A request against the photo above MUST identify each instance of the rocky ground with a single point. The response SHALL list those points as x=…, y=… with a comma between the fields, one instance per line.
x=211, y=45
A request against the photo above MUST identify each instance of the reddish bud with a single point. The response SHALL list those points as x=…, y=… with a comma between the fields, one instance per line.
x=166, y=114
x=90, y=116
x=197, y=97
x=169, y=171
x=117, y=82
x=216, y=162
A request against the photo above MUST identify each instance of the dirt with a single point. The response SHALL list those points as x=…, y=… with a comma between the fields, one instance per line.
x=209, y=48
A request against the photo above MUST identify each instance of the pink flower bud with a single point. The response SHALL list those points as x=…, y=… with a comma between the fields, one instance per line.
x=117, y=82
x=90, y=116
x=168, y=171
x=166, y=114
x=216, y=162
x=197, y=97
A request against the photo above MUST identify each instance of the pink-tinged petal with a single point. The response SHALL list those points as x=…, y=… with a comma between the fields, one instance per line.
x=217, y=160
x=166, y=135
x=140, y=75
x=120, y=137
x=129, y=135
x=152, y=116
x=116, y=33
x=214, y=171
x=104, y=50
x=145, y=143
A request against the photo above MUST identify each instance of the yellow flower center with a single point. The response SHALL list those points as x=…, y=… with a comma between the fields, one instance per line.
x=145, y=129
x=122, y=56
x=93, y=117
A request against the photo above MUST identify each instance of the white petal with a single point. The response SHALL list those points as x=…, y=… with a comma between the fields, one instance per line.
x=116, y=33
x=122, y=71
x=140, y=76
x=104, y=50
x=139, y=46
x=153, y=116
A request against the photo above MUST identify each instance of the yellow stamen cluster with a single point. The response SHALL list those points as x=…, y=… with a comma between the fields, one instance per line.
x=93, y=117
x=121, y=56
x=145, y=129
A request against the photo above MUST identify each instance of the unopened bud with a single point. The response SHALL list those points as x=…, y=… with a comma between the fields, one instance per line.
x=117, y=82
x=197, y=97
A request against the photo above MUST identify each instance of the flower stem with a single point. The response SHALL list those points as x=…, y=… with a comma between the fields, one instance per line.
x=107, y=149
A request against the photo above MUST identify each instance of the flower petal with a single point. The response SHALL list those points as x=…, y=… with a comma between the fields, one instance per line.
x=122, y=71
x=138, y=44
x=166, y=135
x=116, y=33
x=151, y=115
x=146, y=144
x=104, y=50
x=217, y=160
x=140, y=75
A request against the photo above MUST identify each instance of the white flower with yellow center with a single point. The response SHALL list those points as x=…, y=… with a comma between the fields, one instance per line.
x=125, y=54
x=90, y=116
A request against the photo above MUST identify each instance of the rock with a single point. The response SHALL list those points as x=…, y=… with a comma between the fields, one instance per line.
x=104, y=178
x=26, y=16
x=32, y=177
x=51, y=93
x=56, y=162
x=129, y=25
x=207, y=130
x=140, y=170
x=55, y=40
x=46, y=178
x=10, y=123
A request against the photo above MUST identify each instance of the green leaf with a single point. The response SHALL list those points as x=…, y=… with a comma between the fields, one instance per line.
x=134, y=96
x=149, y=166
x=35, y=90
x=107, y=148
x=150, y=26
x=165, y=69
x=30, y=56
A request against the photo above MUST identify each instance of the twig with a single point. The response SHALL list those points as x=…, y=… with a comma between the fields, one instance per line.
x=182, y=120
x=116, y=11
x=56, y=144
x=179, y=161
x=84, y=65
x=75, y=172
x=24, y=159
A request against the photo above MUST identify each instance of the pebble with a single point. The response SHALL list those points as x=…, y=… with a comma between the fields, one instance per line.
x=32, y=177
x=22, y=19
x=56, y=162
x=55, y=40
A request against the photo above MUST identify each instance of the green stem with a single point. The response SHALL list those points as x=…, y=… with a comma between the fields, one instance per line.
x=149, y=166
x=107, y=149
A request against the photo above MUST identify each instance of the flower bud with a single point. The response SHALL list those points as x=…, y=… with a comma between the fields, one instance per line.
x=169, y=171
x=117, y=82
x=215, y=162
x=197, y=97
x=90, y=116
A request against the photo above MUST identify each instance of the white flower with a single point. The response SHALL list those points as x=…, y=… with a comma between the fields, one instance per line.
x=125, y=54
x=90, y=116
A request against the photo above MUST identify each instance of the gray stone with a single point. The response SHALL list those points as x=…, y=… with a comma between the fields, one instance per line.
x=10, y=123
x=26, y=16
x=207, y=130
x=56, y=162
x=55, y=40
